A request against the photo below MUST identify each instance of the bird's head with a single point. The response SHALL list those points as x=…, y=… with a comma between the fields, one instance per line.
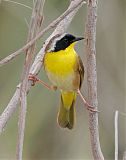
x=62, y=42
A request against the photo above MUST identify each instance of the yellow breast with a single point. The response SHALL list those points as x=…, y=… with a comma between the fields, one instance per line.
x=60, y=67
x=61, y=63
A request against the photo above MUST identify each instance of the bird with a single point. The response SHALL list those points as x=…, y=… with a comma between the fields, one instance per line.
x=65, y=70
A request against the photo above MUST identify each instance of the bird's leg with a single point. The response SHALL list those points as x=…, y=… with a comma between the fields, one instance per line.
x=35, y=79
x=88, y=106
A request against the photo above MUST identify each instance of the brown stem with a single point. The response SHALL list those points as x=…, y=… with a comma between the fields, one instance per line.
x=90, y=38
x=33, y=30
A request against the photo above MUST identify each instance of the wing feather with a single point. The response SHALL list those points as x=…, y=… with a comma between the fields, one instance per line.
x=80, y=70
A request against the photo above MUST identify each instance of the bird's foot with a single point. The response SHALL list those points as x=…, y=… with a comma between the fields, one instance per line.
x=91, y=108
x=87, y=105
x=35, y=80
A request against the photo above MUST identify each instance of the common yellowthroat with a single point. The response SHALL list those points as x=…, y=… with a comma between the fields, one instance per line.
x=65, y=70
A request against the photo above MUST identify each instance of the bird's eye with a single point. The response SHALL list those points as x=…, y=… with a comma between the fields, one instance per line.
x=66, y=40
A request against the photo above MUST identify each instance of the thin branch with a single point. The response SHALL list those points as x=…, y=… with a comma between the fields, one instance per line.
x=26, y=21
x=116, y=135
x=40, y=34
x=21, y=126
x=61, y=28
x=124, y=155
x=33, y=2
x=90, y=39
x=11, y=107
x=33, y=29
x=17, y=3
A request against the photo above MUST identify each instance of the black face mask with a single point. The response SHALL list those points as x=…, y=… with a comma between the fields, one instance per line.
x=64, y=42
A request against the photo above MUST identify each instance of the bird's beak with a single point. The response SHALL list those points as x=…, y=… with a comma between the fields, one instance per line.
x=78, y=39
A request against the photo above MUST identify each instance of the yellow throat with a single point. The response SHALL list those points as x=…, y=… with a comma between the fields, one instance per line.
x=61, y=63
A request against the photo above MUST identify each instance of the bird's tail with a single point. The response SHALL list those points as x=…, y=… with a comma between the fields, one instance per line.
x=66, y=115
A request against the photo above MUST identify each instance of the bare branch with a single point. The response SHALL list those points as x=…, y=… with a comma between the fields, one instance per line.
x=124, y=155
x=40, y=34
x=11, y=107
x=33, y=29
x=116, y=135
x=17, y=3
x=90, y=38
x=65, y=20
x=26, y=21
x=21, y=126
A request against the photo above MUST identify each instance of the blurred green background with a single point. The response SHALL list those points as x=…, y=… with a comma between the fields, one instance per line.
x=43, y=138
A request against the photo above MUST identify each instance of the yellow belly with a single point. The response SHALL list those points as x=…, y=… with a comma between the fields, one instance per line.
x=60, y=66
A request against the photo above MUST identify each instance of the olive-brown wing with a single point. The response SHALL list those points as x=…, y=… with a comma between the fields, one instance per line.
x=80, y=71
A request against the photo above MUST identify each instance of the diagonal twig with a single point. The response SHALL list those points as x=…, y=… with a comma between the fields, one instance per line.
x=40, y=34
x=36, y=66
x=17, y=3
